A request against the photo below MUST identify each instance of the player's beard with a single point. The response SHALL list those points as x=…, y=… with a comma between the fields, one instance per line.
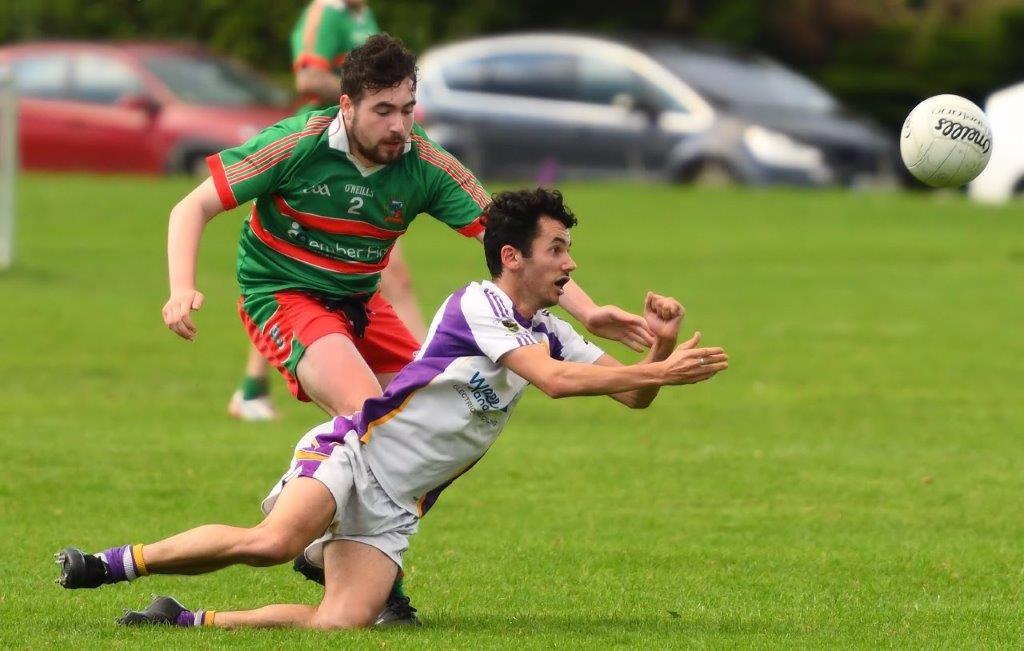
x=375, y=152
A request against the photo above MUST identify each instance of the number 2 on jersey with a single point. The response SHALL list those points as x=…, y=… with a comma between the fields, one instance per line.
x=357, y=203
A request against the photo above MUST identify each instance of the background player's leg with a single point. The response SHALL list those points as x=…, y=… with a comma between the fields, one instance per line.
x=251, y=400
x=255, y=365
x=396, y=286
x=359, y=578
x=335, y=376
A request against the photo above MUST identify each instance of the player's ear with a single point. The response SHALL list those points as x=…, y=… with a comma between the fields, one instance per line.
x=348, y=107
x=511, y=258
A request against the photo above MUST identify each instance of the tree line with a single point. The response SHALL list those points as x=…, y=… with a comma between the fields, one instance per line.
x=879, y=56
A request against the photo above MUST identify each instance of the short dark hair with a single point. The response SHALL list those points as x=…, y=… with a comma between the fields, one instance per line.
x=382, y=61
x=512, y=219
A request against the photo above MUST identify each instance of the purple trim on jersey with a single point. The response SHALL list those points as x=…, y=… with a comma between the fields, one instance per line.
x=494, y=298
x=497, y=305
x=553, y=342
x=431, y=496
x=418, y=374
x=327, y=440
x=525, y=340
x=308, y=467
x=453, y=338
x=325, y=445
x=520, y=319
x=342, y=426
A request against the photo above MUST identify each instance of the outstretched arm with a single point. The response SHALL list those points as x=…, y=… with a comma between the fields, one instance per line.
x=607, y=321
x=188, y=218
x=686, y=365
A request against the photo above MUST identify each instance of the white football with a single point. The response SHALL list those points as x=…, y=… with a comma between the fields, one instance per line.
x=946, y=141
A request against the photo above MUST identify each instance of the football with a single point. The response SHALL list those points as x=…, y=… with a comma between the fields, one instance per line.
x=946, y=141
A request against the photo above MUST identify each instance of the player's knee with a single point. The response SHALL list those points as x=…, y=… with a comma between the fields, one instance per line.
x=340, y=406
x=351, y=616
x=269, y=546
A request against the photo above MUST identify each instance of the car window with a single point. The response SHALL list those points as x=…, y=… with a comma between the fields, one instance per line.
x=601, y=81
x=745, y=80
x=658, y=97
x=524, y=74
x=102, y=79
x=44, y=76
x=202, y=79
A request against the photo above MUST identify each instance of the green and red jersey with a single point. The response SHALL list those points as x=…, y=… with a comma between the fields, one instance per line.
x=323, y=223
x=327, y=31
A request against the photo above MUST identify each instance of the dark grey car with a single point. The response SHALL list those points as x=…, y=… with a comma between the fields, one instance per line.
x=564, y=105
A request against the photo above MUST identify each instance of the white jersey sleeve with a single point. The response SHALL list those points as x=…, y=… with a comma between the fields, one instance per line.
x=492, y=321
x=570, y=347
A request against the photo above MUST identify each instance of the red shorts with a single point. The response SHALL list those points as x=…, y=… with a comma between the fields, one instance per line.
x=283, y=325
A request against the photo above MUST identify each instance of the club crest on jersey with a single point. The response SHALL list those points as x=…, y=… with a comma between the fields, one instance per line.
x=510, y=324
x=396, y=216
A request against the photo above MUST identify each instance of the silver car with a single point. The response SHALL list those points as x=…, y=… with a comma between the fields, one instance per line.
x=548, y=106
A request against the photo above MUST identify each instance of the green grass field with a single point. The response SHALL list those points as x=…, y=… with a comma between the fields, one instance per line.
x=854, y=480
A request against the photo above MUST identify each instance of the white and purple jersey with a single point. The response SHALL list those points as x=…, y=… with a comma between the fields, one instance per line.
x=446, y=408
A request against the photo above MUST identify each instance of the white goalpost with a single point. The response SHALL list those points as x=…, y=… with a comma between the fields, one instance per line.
x=8, y=163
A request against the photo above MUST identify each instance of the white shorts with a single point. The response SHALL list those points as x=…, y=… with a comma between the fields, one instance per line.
x=363, y=512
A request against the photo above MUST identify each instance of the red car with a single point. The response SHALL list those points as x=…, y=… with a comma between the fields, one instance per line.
x=134, y=107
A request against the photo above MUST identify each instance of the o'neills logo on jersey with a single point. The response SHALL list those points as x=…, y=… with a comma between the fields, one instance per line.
x=352, y=188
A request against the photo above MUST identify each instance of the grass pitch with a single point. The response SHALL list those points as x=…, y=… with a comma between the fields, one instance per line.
x=854, y=480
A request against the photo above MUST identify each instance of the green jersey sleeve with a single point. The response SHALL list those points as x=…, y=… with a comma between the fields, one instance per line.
x=256, y=166
x=455, y=196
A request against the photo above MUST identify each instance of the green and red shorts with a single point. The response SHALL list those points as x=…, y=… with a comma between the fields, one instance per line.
x=283, y=325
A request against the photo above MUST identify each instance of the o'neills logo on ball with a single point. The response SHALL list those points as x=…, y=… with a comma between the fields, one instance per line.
x=958, y=131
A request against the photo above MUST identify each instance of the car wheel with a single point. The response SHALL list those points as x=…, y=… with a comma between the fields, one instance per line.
x=714, y=174
x=1018, y=187
x=710, y=172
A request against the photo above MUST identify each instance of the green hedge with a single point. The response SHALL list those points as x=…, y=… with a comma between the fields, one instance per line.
x=881, y=56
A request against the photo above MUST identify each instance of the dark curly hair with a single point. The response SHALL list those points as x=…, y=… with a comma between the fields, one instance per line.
x=512, y=219
x=382, y=61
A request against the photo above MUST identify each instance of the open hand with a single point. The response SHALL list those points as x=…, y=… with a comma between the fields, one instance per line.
x=611, y=322
x=689, y=364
